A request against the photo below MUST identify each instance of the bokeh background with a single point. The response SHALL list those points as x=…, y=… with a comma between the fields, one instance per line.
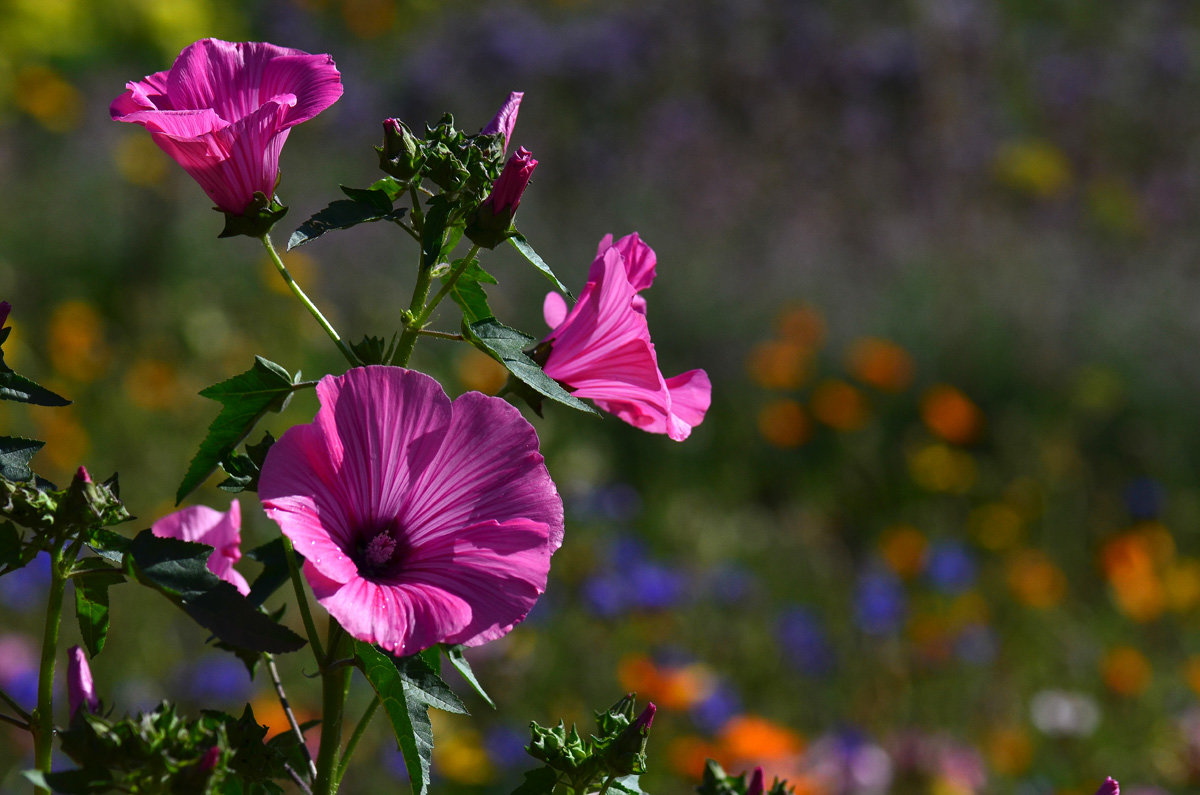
x=939, y=530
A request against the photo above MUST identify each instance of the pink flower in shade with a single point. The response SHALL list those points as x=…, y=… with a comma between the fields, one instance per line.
x=756, y=785
x=1109, y=787
x=421, y=520
x=204, y=525
x=601, y=348
x=224, y=110
x=81, y=691
x=506, y=118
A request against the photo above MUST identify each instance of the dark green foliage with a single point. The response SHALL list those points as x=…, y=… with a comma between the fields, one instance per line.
x=243, y=469
x=364, y=206
x=93, y=577
x=522, y=245
x=15, y=455
x=245, y=398
x=468, y=292
x=457, y=659
x=256, y=220
x=509, y=347
x=717, y=782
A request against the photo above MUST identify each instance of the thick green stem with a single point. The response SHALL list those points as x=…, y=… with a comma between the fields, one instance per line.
x=447, y=285
x=308, y=304
x=335, y=682
x=412, y=328
x=42, y=719
x=310, y=628
x=359, y=730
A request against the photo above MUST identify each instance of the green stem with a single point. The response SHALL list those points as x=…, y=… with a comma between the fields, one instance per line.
x=308, y=304
x=608, y=783
x=42, y=719
x=447, y=286
x=412, y=327
x=359, y=731
x=287, y=710
x=334, y=685
x=310, y=628
x=14, y=705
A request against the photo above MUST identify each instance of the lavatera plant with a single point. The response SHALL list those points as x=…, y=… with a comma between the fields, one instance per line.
x=421, y=525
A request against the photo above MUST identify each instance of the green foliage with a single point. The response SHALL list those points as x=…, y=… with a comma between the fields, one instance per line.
x=509, y=347
x=164, y=753
x=244, y=469
x=611, y=758
x=375, y=350
x=457, y=659
x=256, y=220
x=178, y=570
x=92, y=578
x=57, y=517
x=245, y=398
x=468, y=293
x=522, y=245
x=407, y=687
x=365, y=205
x=464, y=166
x=15, y=455
x=717, y=782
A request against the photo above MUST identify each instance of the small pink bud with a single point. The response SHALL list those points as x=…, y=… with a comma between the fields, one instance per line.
x=756, y=783
x=514, y=179
x=209, y=760
x=82, y=474
x=1109, y=787
x=644, y=720
x=81, y=691
x=506, y=118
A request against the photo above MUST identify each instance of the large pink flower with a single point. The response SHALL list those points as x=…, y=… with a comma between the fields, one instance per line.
x=601, y=349
x=421, y=520
x=220, y=530
x=224, y=110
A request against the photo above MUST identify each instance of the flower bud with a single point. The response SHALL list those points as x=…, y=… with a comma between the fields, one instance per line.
x=210, y=759
x=490, y=223
x=81, y=691
x=400, y=156
x=1109, y=787
x=756, y=783
x=505, y=119
x=646, y=719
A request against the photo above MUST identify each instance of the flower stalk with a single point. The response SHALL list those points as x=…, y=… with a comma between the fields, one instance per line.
x=42, y=719
x=308, y=304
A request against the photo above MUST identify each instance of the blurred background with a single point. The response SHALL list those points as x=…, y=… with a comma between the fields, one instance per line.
x=938, y=532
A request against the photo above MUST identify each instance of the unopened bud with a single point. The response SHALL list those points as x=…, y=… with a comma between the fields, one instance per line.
x=491, y=222
x=756, y=783
x=81, y=691
x=400, y=156
x=505, y=119
x=210, y=758
x=1109, y=787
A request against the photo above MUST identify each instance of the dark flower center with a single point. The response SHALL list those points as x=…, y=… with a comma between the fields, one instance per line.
x=376, y=553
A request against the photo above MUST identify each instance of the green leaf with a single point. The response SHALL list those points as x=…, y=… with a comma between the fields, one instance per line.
x=409, y=717
x=422, y=682
x=537, y=782
x=433, y=232
x=15, y=454
x=456, y=657
x=21, y=389
x=472, y=300
x=71, y=782
x=178, y=570
x=10, y=545
x=363, y=206
x=243, y=470
x=91, y=604
x=628, y=784
x=245, y=398
x=275, y=572
x=108, y=545
x=507, y=346
x=522, y=245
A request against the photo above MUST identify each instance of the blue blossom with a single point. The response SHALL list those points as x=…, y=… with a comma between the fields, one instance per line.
x=880, y=602
x=717, y=708
x=951, y=567
x=505, y=746
x=804, y=642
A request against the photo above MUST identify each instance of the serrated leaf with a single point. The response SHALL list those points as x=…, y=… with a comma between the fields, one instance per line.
x=459, y=660
x=537, y=782
x=433, y=231
x=393, y=187
x=507, y=346
x=628, y=784
x=275, y=572
x=91, y=605
x=245, y=398
x=522, y=245
x=108, y=545
x=21, y=389
x=363, y=206
x=422, y=682
x=15, y=455
x=409, y=718
x=472, y=300
x=178, y=570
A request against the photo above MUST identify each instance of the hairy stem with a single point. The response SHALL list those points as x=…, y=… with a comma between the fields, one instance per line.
x=447, y=285
x=310, y=629
x=359, y=730
x=334, y=685
x=308, y=304
x=287, y=710
x=42, y=720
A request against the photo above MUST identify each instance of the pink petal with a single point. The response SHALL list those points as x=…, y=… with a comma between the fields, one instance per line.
x=640, y=260
x=221, y=530
x=554, y=309
x=506, y=118
x=488, y=468
x=691, y=394
x=148, y=94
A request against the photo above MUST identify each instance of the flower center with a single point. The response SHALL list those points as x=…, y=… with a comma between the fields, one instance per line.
x=376, y=555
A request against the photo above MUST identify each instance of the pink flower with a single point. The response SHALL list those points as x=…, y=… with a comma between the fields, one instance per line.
x=506, y=118
x=490, y=223
x=601, y=349
x=224, y=110
x=756, y=786
x=1109, y=787
x=81, y=691
x=204, y=525
x=421, y=520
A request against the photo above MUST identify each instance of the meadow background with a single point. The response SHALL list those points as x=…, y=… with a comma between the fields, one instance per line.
x=938, y=532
